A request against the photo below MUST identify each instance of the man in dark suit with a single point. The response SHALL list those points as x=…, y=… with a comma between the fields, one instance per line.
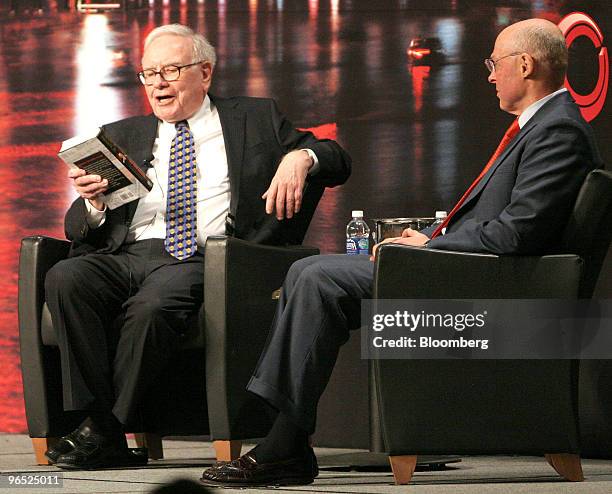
x=519, y=204
x=219, y=166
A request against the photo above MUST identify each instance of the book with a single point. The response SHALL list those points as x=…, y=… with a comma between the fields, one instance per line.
x=97, y=154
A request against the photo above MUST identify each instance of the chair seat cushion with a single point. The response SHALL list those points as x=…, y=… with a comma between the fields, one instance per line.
x=193, y=338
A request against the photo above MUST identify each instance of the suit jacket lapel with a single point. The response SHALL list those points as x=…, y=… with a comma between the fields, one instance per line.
x=144, y=139
x=483, y=182
x=233, y=121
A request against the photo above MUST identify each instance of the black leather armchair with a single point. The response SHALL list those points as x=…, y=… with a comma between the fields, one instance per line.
x=497, y=406
x=205, y=392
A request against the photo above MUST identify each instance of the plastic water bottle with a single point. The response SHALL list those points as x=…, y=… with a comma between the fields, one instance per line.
x=357, y=235
x=440, y=217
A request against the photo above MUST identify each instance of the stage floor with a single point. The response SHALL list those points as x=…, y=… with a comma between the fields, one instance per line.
x=187, y=459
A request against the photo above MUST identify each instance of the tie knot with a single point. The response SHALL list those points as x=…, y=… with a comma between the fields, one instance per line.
x=182, y=125
x=513, y=129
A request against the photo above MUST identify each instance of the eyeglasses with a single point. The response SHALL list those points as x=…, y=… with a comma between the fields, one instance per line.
x=168, y=73
x=490, y=63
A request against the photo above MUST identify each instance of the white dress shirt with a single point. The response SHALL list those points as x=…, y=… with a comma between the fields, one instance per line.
x=212, y=178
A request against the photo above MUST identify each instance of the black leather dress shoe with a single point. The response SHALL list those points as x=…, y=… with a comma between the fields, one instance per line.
x=71, y=441
x=96, y=451
x=246, y=472
x=65, y=445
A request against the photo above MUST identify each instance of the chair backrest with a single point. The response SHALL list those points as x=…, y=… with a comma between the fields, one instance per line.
x=588, y=234
x=589, y=230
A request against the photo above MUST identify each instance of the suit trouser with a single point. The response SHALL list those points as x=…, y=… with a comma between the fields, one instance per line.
x=106, y=366
x=320, y=302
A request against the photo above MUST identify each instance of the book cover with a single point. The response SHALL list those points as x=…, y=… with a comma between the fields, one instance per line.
x=98, y=155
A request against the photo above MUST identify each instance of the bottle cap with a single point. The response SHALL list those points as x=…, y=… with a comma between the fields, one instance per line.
x=441, y=214
x=357, y=214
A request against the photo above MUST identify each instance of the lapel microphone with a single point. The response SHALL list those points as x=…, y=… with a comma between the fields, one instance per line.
x=146, y=163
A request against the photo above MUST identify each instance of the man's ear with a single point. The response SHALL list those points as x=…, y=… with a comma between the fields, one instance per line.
x=527, y=64
x=207, y=71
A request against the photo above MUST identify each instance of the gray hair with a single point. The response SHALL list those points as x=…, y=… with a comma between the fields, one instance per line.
x=202, y=49
x=546, y=44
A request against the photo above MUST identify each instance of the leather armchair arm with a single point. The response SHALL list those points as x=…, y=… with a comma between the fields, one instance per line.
x=38, y=254
x=240, y=281
x=411, y=272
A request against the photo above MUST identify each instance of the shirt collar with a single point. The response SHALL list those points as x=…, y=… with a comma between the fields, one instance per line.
x=199, y=117
x=196, y=122
x=531, y=110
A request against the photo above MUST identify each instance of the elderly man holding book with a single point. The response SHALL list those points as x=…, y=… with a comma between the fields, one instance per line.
x=218, y=166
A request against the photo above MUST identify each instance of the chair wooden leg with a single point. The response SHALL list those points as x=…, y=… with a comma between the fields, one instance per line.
x=151, y=441
x=403, y=468
x=566, y=465
x=40, y=445
x=227, y=450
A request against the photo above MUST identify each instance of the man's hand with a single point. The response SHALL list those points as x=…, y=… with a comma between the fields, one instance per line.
x=285, y=192
x=88, y=186
x=409, y=237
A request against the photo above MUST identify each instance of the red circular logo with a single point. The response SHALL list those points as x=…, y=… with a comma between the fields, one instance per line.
x=579, y=24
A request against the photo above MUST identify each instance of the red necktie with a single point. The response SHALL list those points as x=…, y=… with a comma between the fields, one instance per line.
x=508, y=136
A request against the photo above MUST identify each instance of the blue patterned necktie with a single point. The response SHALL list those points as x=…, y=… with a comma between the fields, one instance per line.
x=181, y=218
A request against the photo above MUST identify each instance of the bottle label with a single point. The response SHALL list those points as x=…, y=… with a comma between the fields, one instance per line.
x=357, y=245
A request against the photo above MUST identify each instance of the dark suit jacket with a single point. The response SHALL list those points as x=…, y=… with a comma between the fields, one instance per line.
x=256, y=137
x=522, y=204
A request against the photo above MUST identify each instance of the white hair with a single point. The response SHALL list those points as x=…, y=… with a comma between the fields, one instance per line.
x=202, y=49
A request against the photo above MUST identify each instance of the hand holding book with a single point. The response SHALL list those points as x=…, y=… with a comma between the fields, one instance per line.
x=89, y=187
x=102, y=172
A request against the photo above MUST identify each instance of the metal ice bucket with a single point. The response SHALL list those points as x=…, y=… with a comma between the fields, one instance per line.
x=393, y=227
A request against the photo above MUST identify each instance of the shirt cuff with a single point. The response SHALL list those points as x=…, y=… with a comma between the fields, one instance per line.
x=314, y=169
x=95, y=218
